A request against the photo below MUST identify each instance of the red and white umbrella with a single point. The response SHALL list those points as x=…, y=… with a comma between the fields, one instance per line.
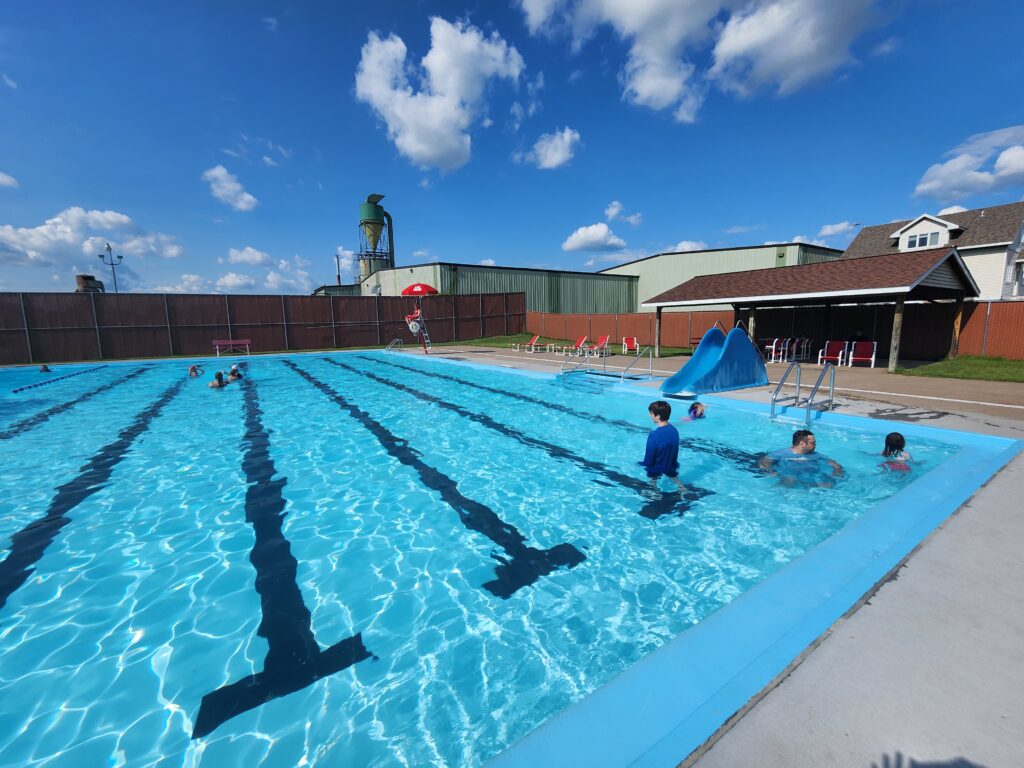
x=418, y=289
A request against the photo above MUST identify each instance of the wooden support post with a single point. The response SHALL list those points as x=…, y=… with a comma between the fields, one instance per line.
x=897, y=329
x=334, y=326
x=227, y=314
x=954, y=343
x=752, y=325
x=657, y=332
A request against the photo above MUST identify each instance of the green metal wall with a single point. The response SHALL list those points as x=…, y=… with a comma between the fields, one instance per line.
x=546, y=290
x=660, y=273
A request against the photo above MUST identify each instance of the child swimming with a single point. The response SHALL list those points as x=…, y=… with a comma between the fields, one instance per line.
x=694, y=412
x=896, y=457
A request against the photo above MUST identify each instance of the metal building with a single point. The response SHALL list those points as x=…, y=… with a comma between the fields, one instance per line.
x=547, y=290
x=662, y=271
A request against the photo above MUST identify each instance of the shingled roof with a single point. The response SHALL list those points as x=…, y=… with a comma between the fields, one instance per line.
x=872, y=276
x=981, y=226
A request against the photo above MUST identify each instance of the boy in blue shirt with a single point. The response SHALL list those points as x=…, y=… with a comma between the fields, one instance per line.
x=662, y=454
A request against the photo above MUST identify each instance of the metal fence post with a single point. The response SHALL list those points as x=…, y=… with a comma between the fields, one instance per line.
x=334, y=328
x=284, y=323
x=96, y=323
x=506, y=313
x=24, y=322
x=376, y=310
x=984, y=333
x=227, y=313
x=481, y=315
x=170, y=337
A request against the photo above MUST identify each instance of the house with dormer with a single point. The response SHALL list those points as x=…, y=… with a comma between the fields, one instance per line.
x=989, y=240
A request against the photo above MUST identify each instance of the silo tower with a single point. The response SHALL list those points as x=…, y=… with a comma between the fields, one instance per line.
x=376, y=238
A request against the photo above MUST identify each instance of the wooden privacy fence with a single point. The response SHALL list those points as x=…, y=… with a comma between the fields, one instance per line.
x=989, y=328
x=64, y=327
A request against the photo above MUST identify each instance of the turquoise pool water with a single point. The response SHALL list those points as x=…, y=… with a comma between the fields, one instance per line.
x=363, y=559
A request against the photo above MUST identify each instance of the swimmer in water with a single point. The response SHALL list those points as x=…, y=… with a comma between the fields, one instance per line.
x=896, y=456
x=694, y=412
x=218, y=381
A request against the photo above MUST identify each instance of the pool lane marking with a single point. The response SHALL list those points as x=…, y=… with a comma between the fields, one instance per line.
x=653, y=508
x=523, y=565
x=743, y=460
x=294, y=658
x=59, y=378
x=34, y=421
x=29, y=544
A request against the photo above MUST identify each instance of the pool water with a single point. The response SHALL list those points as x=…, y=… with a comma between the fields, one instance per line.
x=364, y=559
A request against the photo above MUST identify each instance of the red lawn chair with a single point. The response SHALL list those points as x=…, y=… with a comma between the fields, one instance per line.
x=579, y=348
x=834, y=352
x=531, y=343
x=629, y=346
x=773, y=352
x=601, y=348
x=862, y=352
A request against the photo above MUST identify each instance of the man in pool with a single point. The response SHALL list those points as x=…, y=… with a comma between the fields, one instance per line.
x=800, y=465
x=662, y=454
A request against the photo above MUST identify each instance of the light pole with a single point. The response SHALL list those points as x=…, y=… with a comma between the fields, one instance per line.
x=114, y=261
x=337, y=261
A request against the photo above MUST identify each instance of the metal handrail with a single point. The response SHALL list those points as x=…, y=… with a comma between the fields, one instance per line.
x=778, y=388
x=584, y=360
x=650, y=363
x=830, y=403
x=719, y=324
x=395, y=343
x=741, y=324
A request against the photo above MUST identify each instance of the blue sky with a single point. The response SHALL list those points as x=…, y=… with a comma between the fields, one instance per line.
x=225, y=146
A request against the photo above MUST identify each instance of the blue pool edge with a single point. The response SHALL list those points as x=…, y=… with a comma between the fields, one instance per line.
x=669, y=703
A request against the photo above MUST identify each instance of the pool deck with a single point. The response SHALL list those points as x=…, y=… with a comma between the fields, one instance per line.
x=929, y=667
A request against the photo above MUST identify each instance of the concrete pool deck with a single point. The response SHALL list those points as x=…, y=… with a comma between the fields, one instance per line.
x=929, y=666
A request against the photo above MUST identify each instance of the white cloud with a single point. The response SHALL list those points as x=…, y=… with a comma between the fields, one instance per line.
x=831, y=230
x=886, y=47
x=269, y=23
x=8, y=82
x=596, y=237
x=786, y=43
x=8, y=181
x=952, y=209
x=188, y=283
x=429, y=121
x=420, y=253
x=249, y=255
x=970, y=169
x=804, y=239
x=739, y=229
x=234, y=281
x=225, y=187
x=552, y=150
x=74, y=231
x=269, y=161
x=290, y=276
x=614, y=211
x=690, y=245
x=488, y=262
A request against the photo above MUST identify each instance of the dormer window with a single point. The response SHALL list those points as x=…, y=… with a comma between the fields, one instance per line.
x=923, y=240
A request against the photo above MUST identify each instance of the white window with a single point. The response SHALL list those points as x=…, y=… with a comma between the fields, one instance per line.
x=923, y=241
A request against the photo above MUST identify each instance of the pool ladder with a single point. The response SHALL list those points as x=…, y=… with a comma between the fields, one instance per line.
x=810, y=404
x=396, y=345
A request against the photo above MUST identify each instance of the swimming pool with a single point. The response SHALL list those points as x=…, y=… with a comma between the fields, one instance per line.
x=368, y=559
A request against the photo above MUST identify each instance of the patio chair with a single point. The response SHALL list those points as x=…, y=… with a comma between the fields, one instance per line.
x=630, y=346
x=833, y=352
x=579, y=348
x=862, y=352
x=601, y=348
x=526, y=347
x=773, y=351
x=801, y=348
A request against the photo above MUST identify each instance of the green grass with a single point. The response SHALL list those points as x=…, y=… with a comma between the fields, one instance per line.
x=970, y=367
x=506, y=342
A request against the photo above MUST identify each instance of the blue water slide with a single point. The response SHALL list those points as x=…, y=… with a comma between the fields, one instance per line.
x=720, y=363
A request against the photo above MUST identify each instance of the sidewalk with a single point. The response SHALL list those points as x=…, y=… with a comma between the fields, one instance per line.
x=927, y=671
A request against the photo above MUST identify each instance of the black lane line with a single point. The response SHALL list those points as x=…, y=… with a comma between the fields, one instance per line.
x=59, y=378
x=294, y=659
x=29, y=544
x=656, y=504
x=744, y=460
x=34, y=421
x=522, y=565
